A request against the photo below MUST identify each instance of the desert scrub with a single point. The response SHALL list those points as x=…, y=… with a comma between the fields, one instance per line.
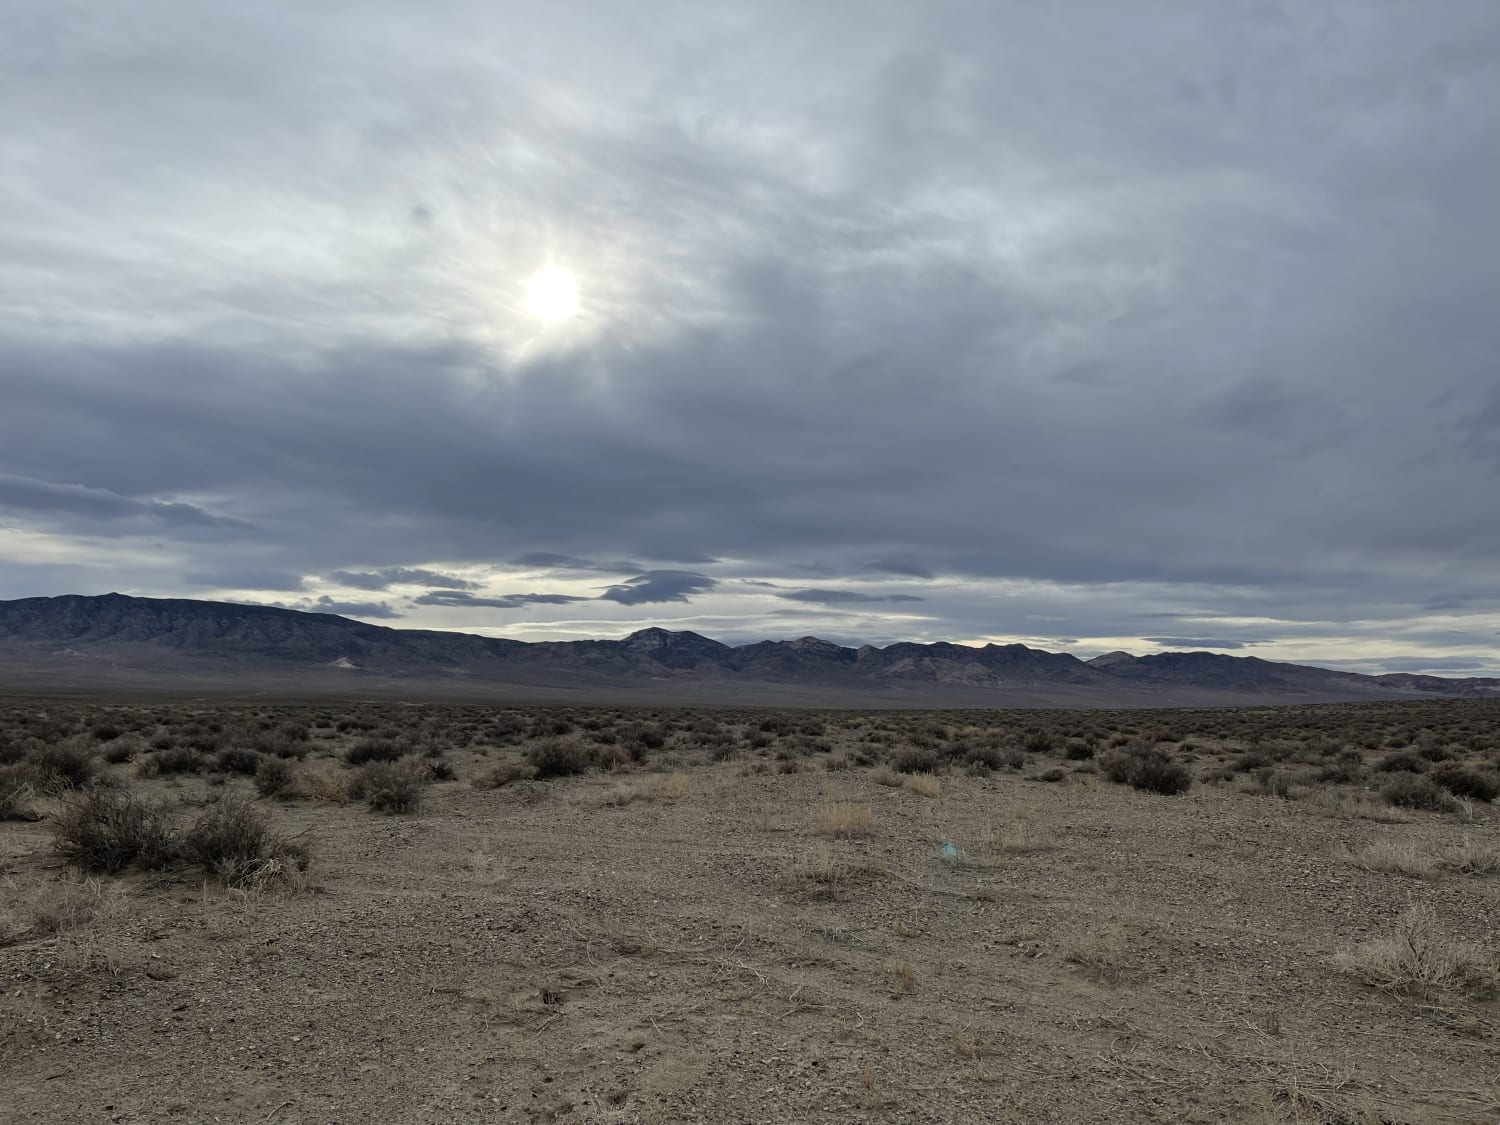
x=845, y=820
x=1462, y=781
x=15, y=793
x=374, y=750
x=105, y=831
x=558, y=757
x=1420, y=960
x=273, y=776
x=1417, y=791
x=233, y=842
x=391, y=787
x=63, y=765
x=1145, y=767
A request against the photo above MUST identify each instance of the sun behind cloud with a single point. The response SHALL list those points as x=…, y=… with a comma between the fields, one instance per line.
x=552, y=294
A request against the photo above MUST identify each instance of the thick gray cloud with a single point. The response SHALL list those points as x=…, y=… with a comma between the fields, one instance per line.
x=504, y=601
x=1200, y=642
x=390, y=576
x=548, y=560
x=102, y=508
x=1054, y=316
x=326, y=604
x=844, y=597
x=659, y=586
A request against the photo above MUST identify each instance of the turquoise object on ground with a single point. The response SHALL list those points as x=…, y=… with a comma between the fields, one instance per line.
x=950, y=850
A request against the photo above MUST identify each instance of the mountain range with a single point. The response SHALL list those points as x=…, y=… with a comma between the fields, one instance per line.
x=120, y=644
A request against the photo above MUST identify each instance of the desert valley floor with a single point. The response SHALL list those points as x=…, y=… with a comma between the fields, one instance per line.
x=461, y=913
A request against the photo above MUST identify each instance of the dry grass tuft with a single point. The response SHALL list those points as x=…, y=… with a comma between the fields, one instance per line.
x=1017, y=837
x=660, y=787
x=323, y=785
x=1390, y=858
x=844, y=820
x=903, y=979
x=1354, y=806
x=1419, y=959
x=1470, y=858
x=884, y=775
x=923, y=785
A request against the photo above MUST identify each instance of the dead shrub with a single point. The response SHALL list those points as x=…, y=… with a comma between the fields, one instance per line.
x=106, y=831
x=1419, y=959
x=233, y=842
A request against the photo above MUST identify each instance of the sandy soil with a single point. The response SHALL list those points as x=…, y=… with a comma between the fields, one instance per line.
x=543, y=953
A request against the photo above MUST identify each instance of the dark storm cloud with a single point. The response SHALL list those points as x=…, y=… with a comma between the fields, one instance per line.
x=1188, y=307
x=659, y=586
x=844, y=597
x=504, y=601
x=399, y=575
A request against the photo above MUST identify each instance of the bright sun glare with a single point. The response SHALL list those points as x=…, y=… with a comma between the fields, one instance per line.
x=552, y=294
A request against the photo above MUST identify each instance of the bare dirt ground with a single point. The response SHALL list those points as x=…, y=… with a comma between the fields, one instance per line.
x=690, y=940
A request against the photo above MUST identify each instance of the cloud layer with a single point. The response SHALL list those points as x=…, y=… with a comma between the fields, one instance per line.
x=1132, y=325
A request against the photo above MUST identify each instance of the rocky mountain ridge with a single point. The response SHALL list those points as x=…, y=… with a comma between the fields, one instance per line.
x=113, y=640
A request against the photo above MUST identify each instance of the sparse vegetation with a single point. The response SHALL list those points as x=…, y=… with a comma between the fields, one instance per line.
x=1421, y=959
x=1043, y=899
x=845, y=820
x=1145, y=767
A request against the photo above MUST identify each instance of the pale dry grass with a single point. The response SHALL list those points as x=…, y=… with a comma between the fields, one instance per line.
x=885, y=775
x=1390, y=858
x=1470, y=857
x=844, y=820
x=923, y=785
x=1353, y=806
x=1422, y=861
x=322, y=783
x=903, y=979
x=1017, y=837
x=1419, y=959
x=658, y=787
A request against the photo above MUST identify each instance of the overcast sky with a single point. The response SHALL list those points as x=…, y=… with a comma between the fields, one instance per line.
x=1088, y=324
